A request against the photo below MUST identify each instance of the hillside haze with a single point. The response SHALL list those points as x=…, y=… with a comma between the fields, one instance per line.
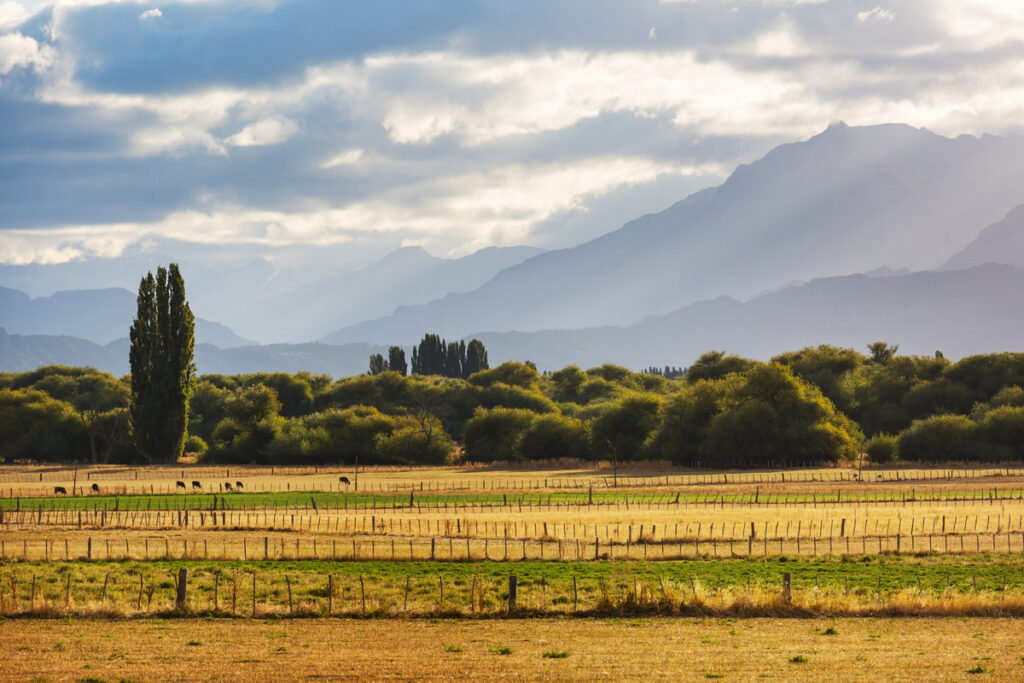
x=406, y=276
x=848, y=200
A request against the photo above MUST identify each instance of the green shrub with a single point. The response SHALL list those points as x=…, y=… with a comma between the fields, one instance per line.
x=882, y=448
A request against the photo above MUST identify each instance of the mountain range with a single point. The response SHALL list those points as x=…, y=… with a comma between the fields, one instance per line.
x=408, y=275
x=855, y=235
x=848, y=200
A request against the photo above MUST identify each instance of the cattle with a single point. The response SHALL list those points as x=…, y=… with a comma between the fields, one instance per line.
x=60, y=490
x=344, y=480
x=227, y=486
x=238, y=485
x=180, y=485
x=95, y=488
x=196, y=485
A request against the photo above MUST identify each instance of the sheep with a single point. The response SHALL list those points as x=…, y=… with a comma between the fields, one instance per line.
x=60, y=490
x=344, y=480
x=95, y=488
x=238, y=485
x=196, y=485
x=227, y=486
x=180, y=485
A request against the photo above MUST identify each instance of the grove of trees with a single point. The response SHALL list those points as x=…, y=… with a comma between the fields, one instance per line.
x=813, y=406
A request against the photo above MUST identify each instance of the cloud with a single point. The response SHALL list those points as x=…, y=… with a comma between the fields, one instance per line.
x=875, y=15
x=17, y=50
x=343, y=158
x=454, y=125
x=11, y=14
x=269, y=131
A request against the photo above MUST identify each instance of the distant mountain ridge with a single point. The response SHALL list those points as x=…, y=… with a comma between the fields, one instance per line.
x=97, y=315
x=19, y=353
x=963, y=312
x=406, y=276
x=1001, y=242
x=848, y=200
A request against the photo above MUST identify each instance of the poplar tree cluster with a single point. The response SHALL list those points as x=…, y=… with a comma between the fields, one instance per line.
x=434, y=356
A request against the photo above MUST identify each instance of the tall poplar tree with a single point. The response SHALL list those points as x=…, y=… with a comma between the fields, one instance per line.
x=476, y=357
x=162, y=367
x=396, y=360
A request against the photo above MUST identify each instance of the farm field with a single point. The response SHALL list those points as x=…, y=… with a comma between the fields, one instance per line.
x=476, y=560
x=935, y=584
x=477, y=514
x=552, y=649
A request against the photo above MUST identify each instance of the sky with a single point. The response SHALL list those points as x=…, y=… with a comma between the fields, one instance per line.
x=448, y=124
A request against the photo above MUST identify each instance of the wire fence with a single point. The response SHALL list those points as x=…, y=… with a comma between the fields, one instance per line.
x=307, y=594
x=466, y=549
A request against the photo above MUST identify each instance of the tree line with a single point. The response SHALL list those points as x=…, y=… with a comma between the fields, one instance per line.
x=434, y=356
x=816, y=405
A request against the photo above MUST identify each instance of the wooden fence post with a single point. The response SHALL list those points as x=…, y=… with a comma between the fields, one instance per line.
x=513, y=585
x=787, y=588
x=330, y=594
x=182, y=585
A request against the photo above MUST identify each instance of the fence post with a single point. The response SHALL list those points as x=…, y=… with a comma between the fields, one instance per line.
x=787, y=588
x=179, y=601
x=513, y=585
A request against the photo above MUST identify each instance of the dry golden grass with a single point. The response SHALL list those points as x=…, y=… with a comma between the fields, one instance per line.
x=39, y=480
x=625, y=649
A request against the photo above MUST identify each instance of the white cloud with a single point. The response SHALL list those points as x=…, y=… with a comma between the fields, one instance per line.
x=980, y=24
x=343, y=158
x=11, y=14
x=270, y=131
x=151, y=14
x=17, y=50
x=499, y=206
x=874, y=16
x=781, y=40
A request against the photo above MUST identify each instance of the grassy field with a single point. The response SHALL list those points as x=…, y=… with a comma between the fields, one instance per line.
x=396, y=576
x=551, y=649
x=874, y=494
x=871, y=585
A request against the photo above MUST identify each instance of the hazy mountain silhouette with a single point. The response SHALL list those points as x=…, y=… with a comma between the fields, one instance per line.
x=849, y=200
x=959, y=312
x=406, y=276
x=19, y=353
x=1001, y=242
x=96, y=315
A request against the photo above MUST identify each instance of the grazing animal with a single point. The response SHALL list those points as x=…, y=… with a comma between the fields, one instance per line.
x=196, y=485
x=878, y=476
x=95, y=488
x=238, y=485
x=227, y=486
x=61, y=490
x=344, y=480
x=180, y=485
